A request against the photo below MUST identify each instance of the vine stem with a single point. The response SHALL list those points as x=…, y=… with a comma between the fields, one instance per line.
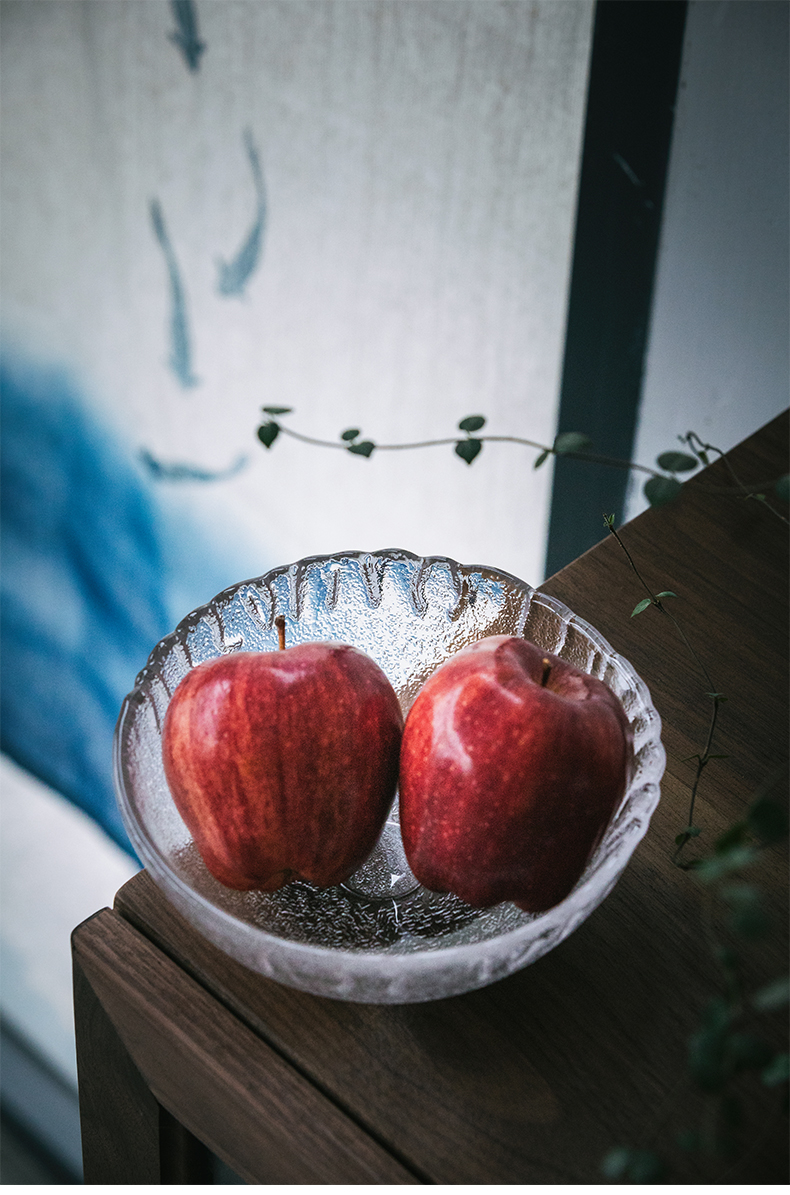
x=704, y=758
x=594, y=458
x=659, y=605
x=702, y=761
x=748, y=491
x=288, y=431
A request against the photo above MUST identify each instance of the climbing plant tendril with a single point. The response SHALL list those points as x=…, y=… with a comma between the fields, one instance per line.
x=662, y=484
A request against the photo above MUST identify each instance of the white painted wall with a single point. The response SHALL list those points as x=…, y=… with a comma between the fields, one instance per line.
x=421, y=165
x=718, y=356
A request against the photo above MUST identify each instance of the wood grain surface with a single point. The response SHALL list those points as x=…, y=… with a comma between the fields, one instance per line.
x=119, y=1117
x=534, y=1078
x=127, y=1135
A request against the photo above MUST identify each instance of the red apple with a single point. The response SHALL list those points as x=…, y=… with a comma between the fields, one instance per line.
x=284, y=764
x=512, y=764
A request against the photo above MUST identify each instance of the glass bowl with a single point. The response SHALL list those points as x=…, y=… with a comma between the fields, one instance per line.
x=379, y=938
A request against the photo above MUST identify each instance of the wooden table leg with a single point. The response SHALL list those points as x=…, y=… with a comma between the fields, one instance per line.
x=149, y=1035
x=127, y=1137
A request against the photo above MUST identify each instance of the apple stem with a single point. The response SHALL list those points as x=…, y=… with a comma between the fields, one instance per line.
x=279, y=622
x=546, y=671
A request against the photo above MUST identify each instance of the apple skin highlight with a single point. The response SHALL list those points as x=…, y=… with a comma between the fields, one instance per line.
x=513, y=762
x=284, y=764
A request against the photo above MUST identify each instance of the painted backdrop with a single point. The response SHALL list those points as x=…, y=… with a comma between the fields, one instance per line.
x=362, y=210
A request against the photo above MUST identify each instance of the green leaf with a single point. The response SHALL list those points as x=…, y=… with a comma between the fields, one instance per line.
x=782, y=488
x=571, y=442
x=539, y=460
x=741, y=894
x=640, y=606
x=277, y=410
x=633, y=1165
x=767, y=820
x=666, y=593
x=608, y=520
x=752, y=923
x=717, y=1014
x=646, y=1167
x=724, y=864
x=706, y=1058
x=747, y=915
x=734, y=835
x=676, y=462
x=773, y=995
x=685, y=835
x=777, y=1071
x=350, y=433
x=660, y=490
x=363, y=448
x=615, y=1164
x=268, y=433
x=468, y=449
x=726, y=956
x=745, y=1052
x=472, y=423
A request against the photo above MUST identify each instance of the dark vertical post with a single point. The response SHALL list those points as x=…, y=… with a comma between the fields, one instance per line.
x=183, y=1160
x=634, y=71
x=127, y=1136
x=118, y=1113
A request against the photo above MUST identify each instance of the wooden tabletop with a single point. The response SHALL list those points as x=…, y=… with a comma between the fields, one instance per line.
x=535, y=1078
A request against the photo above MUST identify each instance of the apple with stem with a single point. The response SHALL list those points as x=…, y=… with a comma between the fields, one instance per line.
x=513, y=762
x=283, y=764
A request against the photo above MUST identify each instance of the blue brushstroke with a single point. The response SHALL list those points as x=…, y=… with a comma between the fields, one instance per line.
x=180, y=352
x=95, y=572
x=234, y=275
x=186, y=35
x=181, y=471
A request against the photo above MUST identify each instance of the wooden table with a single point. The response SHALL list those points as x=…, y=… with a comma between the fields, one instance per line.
x=535, y=1078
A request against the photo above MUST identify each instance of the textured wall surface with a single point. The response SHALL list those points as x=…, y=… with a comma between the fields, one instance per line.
x=360, y=209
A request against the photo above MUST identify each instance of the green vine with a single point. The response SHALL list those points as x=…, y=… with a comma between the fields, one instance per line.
x=662, y=484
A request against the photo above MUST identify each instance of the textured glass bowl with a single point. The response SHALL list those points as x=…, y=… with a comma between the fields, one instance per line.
x=380, y=938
